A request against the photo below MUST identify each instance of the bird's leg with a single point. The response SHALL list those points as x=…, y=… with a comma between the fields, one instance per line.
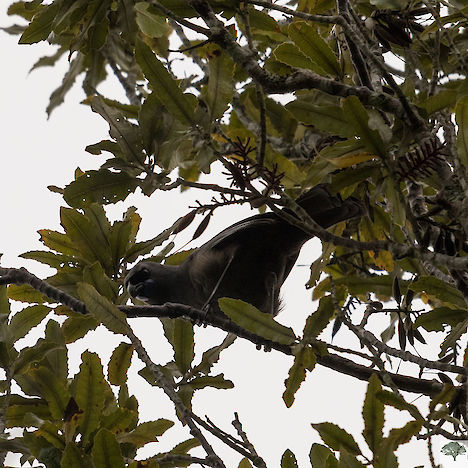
x=215, y=289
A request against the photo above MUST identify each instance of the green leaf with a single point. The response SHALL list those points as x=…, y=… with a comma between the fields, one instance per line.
x=357, y=116
x=49, y=258
x=58, y=95
x=4, y=302
x=179, y=332
x=58, y=242
x=150, y=22
x=291, y=55
x=215, y=381
x=22, y=322
x=50, y=433
x=20, y=406
x=126, y=134
x=211, y=356
x=381, y=285
x=329, y=119
x=306, y=37
x=245, y=463
x=41, y=25
x=102, y=309
x=404, y=434
x=322, y=457
x=75, y=328
x=90, y=392
x=106, y=451
x=461, y=116
x=180, y=105
x=373, y=414
x=94, y=274
x=52, y=388
x=219, y=91
x=435, y=319
x=250, y=318
x=25, y=293
x=337, y=438
x=304, y=358
x=32, y=355
x=119, y=364
x=318, y=321
x=90, y=241
x=396, y=206
x=439, y=290
x=391, y=399
x=145, y=433
x=73, y=457
x=288, y=460
x=101, y=186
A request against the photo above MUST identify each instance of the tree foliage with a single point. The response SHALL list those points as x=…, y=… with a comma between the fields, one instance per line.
x=368, y=96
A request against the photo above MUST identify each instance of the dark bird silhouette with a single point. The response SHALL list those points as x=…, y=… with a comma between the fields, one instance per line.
x=249, y=260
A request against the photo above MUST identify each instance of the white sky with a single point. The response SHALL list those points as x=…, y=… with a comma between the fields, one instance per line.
x=37, y=152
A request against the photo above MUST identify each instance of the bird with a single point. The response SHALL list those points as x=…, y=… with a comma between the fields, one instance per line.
x=249, y=260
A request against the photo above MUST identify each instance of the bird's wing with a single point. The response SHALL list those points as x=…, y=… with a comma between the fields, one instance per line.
x=238, y=232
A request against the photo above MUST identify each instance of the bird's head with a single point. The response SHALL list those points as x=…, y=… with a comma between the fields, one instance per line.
x=150, y=282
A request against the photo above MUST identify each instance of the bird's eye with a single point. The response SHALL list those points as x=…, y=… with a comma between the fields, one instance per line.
x=140, y=276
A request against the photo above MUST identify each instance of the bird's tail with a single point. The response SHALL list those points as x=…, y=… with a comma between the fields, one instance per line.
x=327, y=209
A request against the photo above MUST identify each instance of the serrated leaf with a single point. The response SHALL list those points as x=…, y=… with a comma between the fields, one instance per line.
x=90, y=387
x=404, y=434
x=390, y=398
x=34, y=354
x=25, y=293
x=329, y=119
x=211, y=356
x=119, y=364
x=288, y=460
x=22, y=322
x=86, y=237
x=336, y=437
x=307, y=39
x=106, y=451
x=250, y=318
x=102, y=309
x=180, y=105
x=75, y=328
x=68, y=80
x=318, y=321
x=215, y=381
x=358, y=117
x=73, y=457
x=439, y=290
x=20, y=406
x=145, y=433
x=179, y=332
x=219, y=91
x=435, y=319
x=41, y=25
x=49, y=258
x=373, y=414
x=149, y=21
x=125, y=133
x=101, y=186
x=322, y=457
x=94, y=274
x=52, y=388
x=58, y=242
x=291, y=55
x=304, y=359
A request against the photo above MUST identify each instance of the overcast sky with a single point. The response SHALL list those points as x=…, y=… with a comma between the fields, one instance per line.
x=37, y=152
